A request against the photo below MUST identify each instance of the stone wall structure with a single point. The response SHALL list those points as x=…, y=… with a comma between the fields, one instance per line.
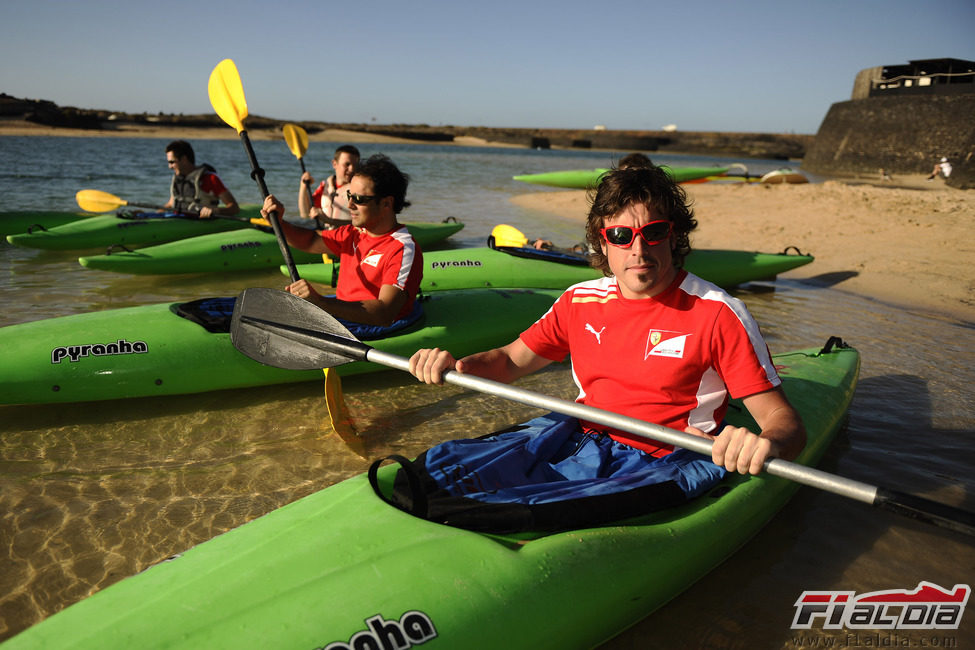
x=897, y=131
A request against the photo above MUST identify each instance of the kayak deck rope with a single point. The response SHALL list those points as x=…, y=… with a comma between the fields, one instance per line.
x=118, y=248
x=793, y=248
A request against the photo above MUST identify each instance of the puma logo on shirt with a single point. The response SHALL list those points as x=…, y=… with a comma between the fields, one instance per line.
x=598, y=335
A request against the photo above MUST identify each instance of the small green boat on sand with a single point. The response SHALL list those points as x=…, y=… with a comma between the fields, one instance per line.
x=239, y=250
x=464, y=268
x=134, y=229
x=152, y=350
x=580, y=179
x=342, y=569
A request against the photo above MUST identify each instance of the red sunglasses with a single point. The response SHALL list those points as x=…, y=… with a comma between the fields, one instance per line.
x=653, y=233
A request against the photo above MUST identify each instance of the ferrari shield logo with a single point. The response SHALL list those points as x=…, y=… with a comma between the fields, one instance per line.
x=666, y=343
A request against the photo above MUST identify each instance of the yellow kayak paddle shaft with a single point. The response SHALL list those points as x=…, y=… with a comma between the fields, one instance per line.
x=227, y=98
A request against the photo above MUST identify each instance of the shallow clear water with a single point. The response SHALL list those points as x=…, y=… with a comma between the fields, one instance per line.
x=93, y=492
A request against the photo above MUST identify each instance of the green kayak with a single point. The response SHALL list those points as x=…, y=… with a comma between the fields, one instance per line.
x=139, y=229
x=232, y=251
x=14, y=222
x=341, y=569
x=151, y=350
x=580, y=179
x=526, y=267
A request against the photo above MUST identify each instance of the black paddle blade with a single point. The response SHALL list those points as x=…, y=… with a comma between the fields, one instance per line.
x=932, y=512
x=279, y=329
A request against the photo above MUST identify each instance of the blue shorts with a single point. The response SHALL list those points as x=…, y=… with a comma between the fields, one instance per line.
x=550, y=458
x=373, y=332
x=544, y=475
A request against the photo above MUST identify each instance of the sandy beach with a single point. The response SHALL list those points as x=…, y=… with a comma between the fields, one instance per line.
x=904, y=246
x=906, y=242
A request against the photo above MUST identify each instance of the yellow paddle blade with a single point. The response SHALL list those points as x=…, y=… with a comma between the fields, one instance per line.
x=297, y=139
x=505, y=235
x=98, y=201
x=227, y=94
x=338, y=412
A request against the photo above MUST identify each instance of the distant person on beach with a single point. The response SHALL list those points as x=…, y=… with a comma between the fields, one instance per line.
x=329, y=200
x=942, y=168
x=381, y=264
x=195, y=189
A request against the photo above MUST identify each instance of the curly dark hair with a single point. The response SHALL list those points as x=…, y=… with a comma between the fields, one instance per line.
x=650, y=186
x=387, y=179
x=634, y=160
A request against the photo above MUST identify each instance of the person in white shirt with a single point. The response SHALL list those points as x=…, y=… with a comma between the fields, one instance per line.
x=942, y=168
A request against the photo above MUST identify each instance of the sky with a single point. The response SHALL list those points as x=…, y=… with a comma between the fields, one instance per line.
x=756, y=66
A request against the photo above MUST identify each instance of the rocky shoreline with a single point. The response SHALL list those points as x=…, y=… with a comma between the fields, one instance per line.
x=853, y=143
x=29, y=117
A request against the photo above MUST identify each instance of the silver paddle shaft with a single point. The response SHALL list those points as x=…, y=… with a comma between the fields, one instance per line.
x=776, y=466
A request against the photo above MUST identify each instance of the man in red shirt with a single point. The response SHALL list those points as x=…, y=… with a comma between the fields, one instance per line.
x=648, y=340
x=380, y=263
x=196, y=189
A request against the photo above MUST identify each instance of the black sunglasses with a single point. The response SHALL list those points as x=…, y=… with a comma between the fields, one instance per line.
x=653, y=233
x=359, y=199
